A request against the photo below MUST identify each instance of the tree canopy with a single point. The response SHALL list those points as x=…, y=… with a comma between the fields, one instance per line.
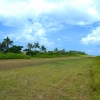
x=6, y=46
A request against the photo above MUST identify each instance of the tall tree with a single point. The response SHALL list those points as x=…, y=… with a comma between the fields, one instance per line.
x=36, y=45
x=4, y=46
x=30, y=46
x=43, y=49
x=7, y=42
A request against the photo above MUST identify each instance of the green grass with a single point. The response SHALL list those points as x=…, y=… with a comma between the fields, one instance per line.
x=45, y=79
x=95, y=73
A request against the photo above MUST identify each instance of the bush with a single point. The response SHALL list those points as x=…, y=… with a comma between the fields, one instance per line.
x=13, y=56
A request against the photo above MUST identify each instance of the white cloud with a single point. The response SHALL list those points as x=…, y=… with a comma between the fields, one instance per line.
x=46, y=16
x=32, y=33
x=78, y=12
x=93, y=37
x=81, y=12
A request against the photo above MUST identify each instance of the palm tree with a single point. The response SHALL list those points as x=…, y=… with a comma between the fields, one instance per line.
x=43, y=49
x=30, y=46
x=36, y=45
x=7, y=42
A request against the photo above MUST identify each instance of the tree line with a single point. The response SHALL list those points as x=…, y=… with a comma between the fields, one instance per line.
x=6, y=46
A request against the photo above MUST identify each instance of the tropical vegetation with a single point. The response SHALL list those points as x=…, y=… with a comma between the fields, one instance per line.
x=33, y=50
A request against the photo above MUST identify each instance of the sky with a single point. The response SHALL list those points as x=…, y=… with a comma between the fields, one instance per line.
x=65, y=24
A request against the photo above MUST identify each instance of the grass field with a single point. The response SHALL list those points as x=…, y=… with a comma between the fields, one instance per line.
x=46, y=79
x=95, y=74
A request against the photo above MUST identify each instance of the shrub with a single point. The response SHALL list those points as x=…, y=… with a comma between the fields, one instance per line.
x=13, y=56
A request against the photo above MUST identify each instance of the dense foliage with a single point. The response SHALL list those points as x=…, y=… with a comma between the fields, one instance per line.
x=51, y=54
x=6, y=46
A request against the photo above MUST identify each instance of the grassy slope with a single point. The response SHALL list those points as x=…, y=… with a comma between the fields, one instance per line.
x=45, y=79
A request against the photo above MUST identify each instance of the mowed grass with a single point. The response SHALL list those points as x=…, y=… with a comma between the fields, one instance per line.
x=45, y=79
